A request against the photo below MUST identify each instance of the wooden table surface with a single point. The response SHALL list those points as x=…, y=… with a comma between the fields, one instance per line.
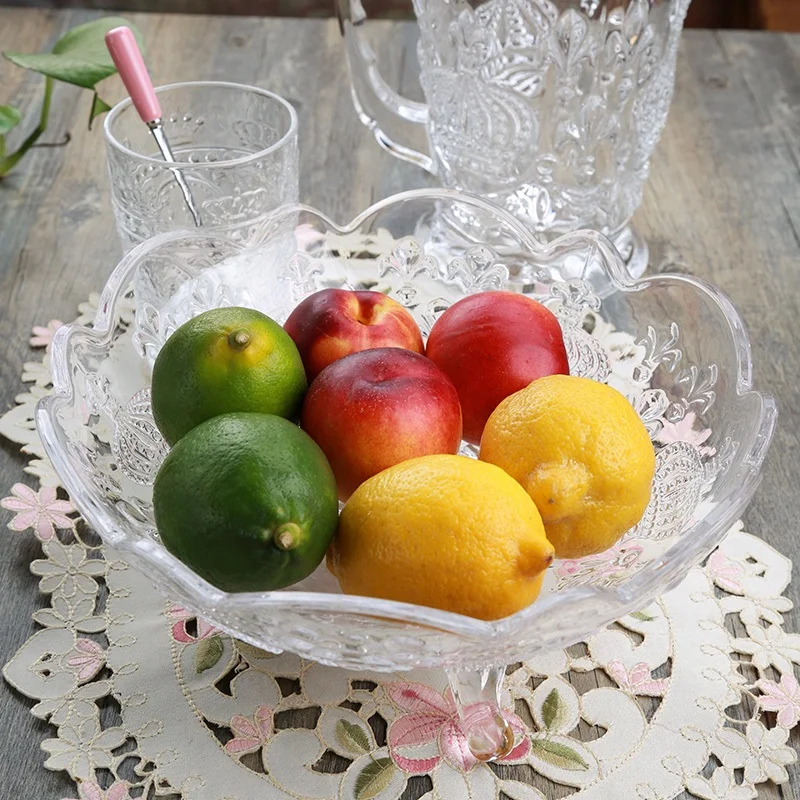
x=723, y=202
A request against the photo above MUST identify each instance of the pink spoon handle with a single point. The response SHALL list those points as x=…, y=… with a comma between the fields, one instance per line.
x=127, y=57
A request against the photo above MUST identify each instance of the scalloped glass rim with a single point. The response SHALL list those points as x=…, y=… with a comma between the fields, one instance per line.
x=608, y=603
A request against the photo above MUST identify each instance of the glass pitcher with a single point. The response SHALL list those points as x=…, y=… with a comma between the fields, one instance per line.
x=549, y=108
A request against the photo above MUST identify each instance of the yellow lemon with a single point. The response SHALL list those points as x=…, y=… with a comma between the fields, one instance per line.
x=581, y=452
x=442, y=531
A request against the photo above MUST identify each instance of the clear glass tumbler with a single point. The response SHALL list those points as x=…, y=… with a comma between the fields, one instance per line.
x=549, y=108
x=235, y=147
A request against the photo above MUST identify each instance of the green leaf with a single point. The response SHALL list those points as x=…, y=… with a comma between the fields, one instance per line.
x=79, y=57
x=89, y=40
x=352, y=737
x=251, y=653
x=642, y=616
x=63, y=68
x=99, y=106
x=9, y=118
x=554, y=710
x=559, y=755
x=374, y=778
x=208, y=653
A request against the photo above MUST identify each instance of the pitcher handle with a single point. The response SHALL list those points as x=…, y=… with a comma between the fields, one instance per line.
x=385, y=112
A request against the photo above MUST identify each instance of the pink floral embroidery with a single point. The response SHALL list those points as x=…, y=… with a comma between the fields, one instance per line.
x=89, y=790
x=638, y=681
x=181, y=616
x=606, y=568
x=43, y=337
x=88, y=659
x=683, y=431
x=725, y=573
x=430, y=717
x=250, y=734
x=41, y=510
x=783, y=697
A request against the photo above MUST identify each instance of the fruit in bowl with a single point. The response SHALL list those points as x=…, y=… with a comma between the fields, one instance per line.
x=224, y=360
x=638, y=337
x=443, y=531
x=247, y=501
x=583, y=455
x=334, y=323
x=232, y=498
x=491, y=345
x=376, y=408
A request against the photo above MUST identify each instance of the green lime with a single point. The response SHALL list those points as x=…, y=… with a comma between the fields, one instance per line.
x=248, y=501
x=226, y=359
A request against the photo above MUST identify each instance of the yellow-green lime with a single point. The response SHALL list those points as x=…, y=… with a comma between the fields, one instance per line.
x=224, y=360
x=248, y=501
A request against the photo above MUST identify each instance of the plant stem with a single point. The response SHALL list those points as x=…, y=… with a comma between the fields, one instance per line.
x=63, y=143
x=9, y=162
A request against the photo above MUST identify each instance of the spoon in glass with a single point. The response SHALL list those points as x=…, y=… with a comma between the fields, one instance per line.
x=128, y=60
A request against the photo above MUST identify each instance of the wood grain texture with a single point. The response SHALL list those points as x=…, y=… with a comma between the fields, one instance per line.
x=778, y=15
x=723, y=202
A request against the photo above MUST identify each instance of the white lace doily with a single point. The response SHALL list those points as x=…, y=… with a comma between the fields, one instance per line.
x=696, y=692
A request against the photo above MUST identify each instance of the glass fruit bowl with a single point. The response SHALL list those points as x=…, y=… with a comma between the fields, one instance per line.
x=671, y=343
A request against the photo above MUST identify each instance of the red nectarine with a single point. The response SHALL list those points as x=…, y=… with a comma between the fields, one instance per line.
x=493, y=344
x=334, y=323
x=376, y=408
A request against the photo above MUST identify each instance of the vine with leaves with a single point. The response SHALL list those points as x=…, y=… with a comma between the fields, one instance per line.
x=80, y=58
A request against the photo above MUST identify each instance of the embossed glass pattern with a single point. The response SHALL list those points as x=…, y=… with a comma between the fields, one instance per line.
x=236, y=148
x=672, y=344
x=550, y=108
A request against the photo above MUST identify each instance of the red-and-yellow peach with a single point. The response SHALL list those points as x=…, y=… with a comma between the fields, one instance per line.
x=333, y=323
x=376, y=408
